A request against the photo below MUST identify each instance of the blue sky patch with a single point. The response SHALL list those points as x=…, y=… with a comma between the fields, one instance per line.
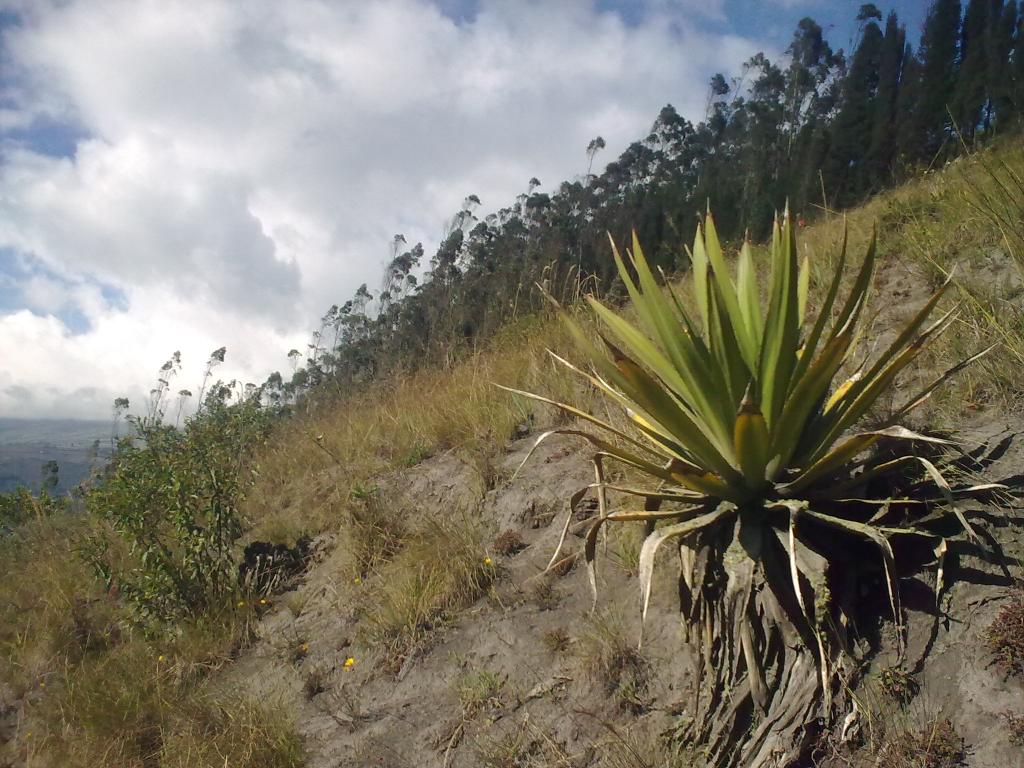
x=770, y=20
x=46, y=136
x=16, y=269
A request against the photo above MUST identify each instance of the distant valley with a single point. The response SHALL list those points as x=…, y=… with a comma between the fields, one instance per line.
x=26, y=445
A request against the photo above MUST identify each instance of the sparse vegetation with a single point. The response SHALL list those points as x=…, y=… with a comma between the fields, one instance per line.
x=369, y=430
x=631, y=750
x=543, y=592
x=610, y=657
x=508, y=542
x=995, y=191
x=478, y=689
x=937, y=745
x=1005, y=636
x=522, y=746
x=626, y=543
x=897, y=684
x=557, y=640
x=314, y=682
x=982, y=257
x=418, y=453
x=295, y=602
x=513, y=750
x=375, y=530
x=1015, y=725
x=442, y=569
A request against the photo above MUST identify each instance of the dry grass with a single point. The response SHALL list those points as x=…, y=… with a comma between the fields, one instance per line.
x=442, y=569
x=52, y=612
x=316, y=460
x=237, y=732
x=95, y=693
x=556, y=640
x=524, y=745
x=964, y=220
x=375, y=530
x=625, y=542
x=145, y=703
x=936, y=745
x=508, y=543
x=626, y=749
x=610, y=656
x=543, y=593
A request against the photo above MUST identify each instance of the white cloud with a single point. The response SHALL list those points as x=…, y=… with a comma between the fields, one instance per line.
x=789, y=4
x=246, y=163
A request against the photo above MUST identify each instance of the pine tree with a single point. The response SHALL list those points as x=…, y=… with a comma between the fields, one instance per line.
x=938, y=56
x=882, y=148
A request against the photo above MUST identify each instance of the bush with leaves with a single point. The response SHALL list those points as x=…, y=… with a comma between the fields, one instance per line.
x=171, y=500
x=768, y=487
x=21, y=505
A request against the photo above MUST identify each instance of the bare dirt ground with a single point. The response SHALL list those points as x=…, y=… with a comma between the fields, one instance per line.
x=546, y=697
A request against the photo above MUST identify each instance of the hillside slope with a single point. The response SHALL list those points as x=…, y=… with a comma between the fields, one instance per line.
x=505, y=666
x=420, y=629
x=524, y=675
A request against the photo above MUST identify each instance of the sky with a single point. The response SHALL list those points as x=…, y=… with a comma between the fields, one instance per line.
x=191, y=174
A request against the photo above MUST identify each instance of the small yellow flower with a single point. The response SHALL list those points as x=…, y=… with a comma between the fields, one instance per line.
x=349, y=663
x=263, y=601
x=42, y=685
x=160, y=657
x=488, y=562
x=357, y=580
x=241, y=603
x=304, y=648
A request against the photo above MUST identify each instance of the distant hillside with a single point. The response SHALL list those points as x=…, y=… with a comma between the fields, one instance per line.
x=27, y=444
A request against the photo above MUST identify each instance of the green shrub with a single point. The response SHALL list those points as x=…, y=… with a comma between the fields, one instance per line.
x=171, y=500
x=22, y=505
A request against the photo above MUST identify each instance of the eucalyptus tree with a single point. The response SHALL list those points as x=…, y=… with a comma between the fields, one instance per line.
x=216, y=358
x=938, y=56
x=593, y=147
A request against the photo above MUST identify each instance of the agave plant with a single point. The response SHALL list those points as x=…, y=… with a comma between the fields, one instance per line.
x=756, y=468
